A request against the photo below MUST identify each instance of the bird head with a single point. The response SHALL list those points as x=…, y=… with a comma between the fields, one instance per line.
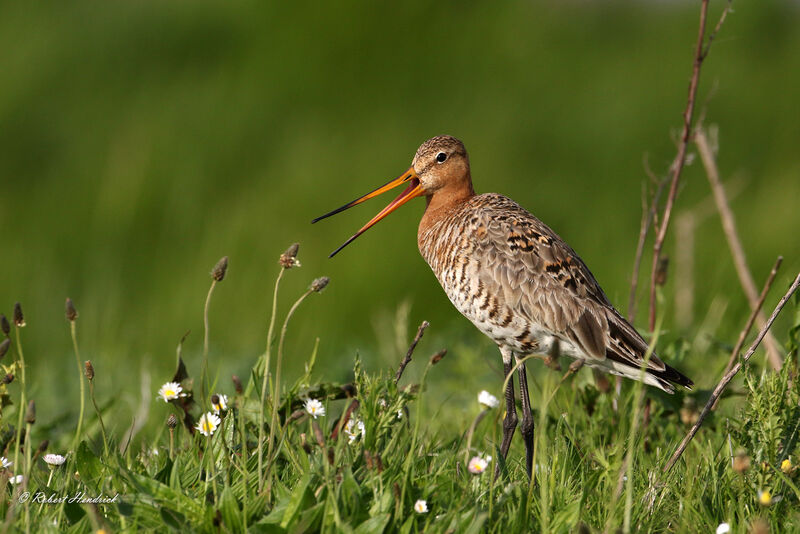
x=441, y=163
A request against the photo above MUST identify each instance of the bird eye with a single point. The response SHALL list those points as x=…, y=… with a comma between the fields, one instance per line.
x=440, y=157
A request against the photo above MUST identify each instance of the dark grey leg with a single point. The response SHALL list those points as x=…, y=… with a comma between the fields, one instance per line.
x=510, y=420
x=527, y=419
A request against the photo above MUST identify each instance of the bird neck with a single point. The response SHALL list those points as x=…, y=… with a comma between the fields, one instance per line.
x=443, y=201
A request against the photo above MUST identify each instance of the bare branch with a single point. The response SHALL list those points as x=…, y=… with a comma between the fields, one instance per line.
x=756, y=311
x=732, y=373
x=407, y=359
x=649, y=213
x=680, y=158
x=720, y=22
x=734, y=243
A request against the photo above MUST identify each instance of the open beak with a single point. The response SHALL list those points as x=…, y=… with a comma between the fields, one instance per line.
x=413, y=190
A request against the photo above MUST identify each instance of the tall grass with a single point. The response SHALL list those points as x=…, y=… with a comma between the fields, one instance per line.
x=595, y=468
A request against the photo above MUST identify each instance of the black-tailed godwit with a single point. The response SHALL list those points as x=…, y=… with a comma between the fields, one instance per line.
x=514, y=278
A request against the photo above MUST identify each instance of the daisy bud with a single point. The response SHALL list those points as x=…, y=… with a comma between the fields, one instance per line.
x=30, y=413
x=4, y=346
x=602, y=383
x=89, y=369
x=172, y=421
x=218, y=272
x=4, y=324
x=8, y=378
x=368, y=459
x=318, y=433
x=349, y=390
x=42, y=446
x=71, y=312
x=688, y=412
x=289, y=258
x=661, y=270
x=237, y=384
x=217, y=519
x=19, y=319
x=436, y=358
x=759, y=526
x=304, y=443
x=319, y=284
x=741, y=462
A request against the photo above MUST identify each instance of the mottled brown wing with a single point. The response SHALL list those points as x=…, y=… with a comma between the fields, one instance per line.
x=541, y=277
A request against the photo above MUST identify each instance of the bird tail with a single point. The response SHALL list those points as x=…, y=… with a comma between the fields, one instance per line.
x=664, y=379
x=626, y=350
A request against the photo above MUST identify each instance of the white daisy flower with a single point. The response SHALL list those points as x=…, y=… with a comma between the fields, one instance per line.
x=315, y=408
x=723, y=528
x=221, y=405
x=353, y=428
x=421, y=506
x=54, y=459
x=170, y=391
x=208, y=423
x=488, y=400
x=15, y=479
x=478, y=465
x=6, y=462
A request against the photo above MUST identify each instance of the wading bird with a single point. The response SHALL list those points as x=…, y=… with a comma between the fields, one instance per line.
x=515, y=279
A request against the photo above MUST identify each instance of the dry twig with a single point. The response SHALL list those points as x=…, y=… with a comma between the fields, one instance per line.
x=756, y=311
x=734, y=243
x=407, y=359
x=649, y=214
x=680, y=159
x=685, y=226
x=730, y=374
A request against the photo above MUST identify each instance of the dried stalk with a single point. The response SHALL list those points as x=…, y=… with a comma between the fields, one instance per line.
x=680, y=159
x=723, y=383
x=407, y=359
x=734, y=243
x=649, y=214
x=756, y=311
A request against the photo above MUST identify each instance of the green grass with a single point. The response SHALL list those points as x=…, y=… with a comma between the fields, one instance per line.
x=314, y=481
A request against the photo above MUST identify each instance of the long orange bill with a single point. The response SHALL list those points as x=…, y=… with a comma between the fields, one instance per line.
x=413, y=190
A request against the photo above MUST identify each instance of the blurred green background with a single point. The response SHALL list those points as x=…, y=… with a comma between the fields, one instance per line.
x=141, y=141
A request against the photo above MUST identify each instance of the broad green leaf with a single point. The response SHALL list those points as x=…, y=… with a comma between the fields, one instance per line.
x=229, y=508
x=476, y=526
x=295, y=502
x=409, y=523
x=88, y=466
x=373, y=525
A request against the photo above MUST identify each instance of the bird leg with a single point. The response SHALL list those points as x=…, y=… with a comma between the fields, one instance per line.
x=510, y=420
x=527, y=418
